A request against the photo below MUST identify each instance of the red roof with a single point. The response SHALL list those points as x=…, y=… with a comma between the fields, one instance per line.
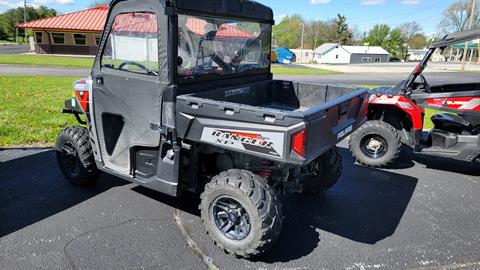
x=92, y=19
x=197, y=26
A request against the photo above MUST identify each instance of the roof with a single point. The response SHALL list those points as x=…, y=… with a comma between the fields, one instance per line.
x=365, y=50
x=457, y=37
x=92, y=19
x=197, y=26
x=325, y=47
x=473, y=44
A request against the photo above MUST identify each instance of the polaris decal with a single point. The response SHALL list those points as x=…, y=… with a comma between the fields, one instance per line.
x=268, y=143
x=344, y=132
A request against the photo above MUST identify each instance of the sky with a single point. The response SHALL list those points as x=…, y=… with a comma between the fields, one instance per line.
x=362, y=14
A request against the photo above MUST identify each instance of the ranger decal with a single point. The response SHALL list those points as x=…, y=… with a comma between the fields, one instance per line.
x=269, y=143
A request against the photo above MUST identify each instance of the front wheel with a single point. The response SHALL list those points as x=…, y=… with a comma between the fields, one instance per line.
x=375, y=144
x=241, y=213
x=75, y=156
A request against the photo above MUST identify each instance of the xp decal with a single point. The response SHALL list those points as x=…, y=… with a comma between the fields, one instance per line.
x=456, y=103
x=269, y=143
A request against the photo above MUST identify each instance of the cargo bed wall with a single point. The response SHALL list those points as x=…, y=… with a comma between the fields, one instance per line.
x=278, y=95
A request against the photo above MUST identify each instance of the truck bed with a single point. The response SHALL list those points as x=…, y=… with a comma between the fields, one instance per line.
x=274, y=109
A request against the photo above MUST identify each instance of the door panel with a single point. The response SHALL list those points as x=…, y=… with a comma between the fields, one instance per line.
x=127, y=91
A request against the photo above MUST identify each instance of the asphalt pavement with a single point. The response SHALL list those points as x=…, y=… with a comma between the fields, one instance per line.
x=344, y=78
x=14, y=49
x=422, y=214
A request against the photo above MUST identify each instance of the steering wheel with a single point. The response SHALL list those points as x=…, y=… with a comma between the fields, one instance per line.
x=426, y=86
x=133, y=63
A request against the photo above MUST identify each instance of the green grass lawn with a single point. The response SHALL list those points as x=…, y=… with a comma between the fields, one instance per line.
x=46, y=60
x=29, y=109
x=301, y=71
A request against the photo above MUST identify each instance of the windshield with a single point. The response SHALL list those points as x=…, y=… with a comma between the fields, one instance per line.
x=221, y=47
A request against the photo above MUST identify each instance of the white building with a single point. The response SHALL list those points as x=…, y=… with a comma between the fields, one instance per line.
x=332, y=53
x=303, y=56
x=418, y=55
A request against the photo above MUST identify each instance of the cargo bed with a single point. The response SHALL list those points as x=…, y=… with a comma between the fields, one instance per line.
x=276, y=110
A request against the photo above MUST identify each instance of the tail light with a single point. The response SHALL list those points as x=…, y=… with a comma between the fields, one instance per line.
x=298, y=142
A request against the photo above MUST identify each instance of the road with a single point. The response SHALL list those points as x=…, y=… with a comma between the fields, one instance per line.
x=14, y=49
x=344, y=78
x=425, y=213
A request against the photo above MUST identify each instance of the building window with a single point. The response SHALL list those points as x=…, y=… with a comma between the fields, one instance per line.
x=366, y=59
x=80, y=39
x=132, y=44
x=38, y=37
x=58, y=38
x=98, y=38
x=377, y=59
x=336, y=56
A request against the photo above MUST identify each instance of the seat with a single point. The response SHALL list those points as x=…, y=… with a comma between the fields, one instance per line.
x=460, y=124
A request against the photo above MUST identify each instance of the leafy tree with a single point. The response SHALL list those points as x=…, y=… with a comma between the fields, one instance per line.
x=100, y=4
x=342, y=33
x=457, y=15
x=288, y=33
x=390, y=40
x=377, y=35
x=412, y=37
x=418, y=41
x=10, y=18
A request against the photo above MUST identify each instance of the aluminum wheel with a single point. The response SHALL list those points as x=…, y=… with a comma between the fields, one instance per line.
x=231, y=218
x=374, y=146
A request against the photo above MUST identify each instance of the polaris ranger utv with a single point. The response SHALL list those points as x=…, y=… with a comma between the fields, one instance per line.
x=181, y=98
x=396, y=116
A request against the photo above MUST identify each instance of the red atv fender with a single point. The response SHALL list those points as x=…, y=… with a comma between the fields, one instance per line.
x=411, y=109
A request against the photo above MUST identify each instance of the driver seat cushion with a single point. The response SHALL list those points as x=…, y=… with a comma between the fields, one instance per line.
x=460, y=124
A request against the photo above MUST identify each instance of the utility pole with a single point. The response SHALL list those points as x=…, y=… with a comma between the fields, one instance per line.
x=315, y=43
x=470, y=25
x=25, y=18
x=301, y=47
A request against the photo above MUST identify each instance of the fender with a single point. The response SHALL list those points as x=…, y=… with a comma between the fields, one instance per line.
x=411, y=109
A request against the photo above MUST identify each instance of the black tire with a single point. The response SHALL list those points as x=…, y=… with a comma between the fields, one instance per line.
x=381, y=133
x=327, y=169
x=75, y=156
x=258, y=200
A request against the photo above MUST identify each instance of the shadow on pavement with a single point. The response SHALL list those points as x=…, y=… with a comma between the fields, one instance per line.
x=408, y=157
x=33, y=188
x=366, y=206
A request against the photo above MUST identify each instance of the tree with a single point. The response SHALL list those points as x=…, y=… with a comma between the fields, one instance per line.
x=342, y=33
x=418, y=41
x=100, y=4
x=377, y=35
x=456, y=16
x=412, y=36
x=390, y=40
x=10, y=18
x=288, y=33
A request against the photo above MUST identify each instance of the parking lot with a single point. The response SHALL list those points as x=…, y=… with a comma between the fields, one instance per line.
x=423, y=214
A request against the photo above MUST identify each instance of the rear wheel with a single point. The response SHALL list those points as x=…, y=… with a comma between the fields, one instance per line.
x=241, y=213
x=375, y=144
x=325, y=172
x=75, y=156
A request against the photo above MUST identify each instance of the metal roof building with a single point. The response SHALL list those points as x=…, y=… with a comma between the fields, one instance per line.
x=80, y=32
x=333, y=53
